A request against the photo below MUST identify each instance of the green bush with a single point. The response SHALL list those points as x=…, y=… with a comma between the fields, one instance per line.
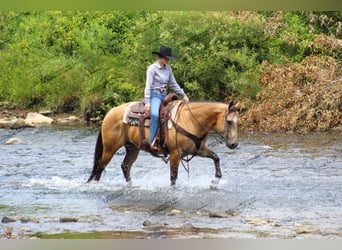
x=89, y=61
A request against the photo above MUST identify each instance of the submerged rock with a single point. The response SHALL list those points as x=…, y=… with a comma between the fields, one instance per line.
x=303, y=229
x=8, y=232
x=174, y=212
x=12, y=141
x=147, y=223
x=6, y=219
x=66, y=219
x=37, y=119
x=85, y=220
x=215, y=214
x=256, y=221
x=29, y=219
x=188, y=226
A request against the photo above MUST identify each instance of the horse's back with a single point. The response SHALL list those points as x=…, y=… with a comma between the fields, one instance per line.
x=115, y=115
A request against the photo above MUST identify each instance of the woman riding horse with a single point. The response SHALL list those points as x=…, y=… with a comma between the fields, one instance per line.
x=158, y=76
x=187, y=136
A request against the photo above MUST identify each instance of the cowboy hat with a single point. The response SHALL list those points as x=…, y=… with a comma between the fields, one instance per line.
x=165, y=51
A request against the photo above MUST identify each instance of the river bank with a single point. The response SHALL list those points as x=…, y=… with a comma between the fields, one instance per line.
x=21, y=118
x=15, y=118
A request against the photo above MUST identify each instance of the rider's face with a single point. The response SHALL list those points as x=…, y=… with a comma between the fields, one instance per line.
x=164, y=60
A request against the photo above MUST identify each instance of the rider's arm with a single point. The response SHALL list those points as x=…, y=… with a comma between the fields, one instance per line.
x=149, y=79
x=174, y=85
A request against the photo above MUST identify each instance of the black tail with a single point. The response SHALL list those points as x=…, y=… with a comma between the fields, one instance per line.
x=97, y=156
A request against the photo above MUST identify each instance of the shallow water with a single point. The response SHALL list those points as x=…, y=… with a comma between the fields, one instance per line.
x=273, y=186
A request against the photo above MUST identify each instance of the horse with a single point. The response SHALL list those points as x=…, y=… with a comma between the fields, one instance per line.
x=196, y=118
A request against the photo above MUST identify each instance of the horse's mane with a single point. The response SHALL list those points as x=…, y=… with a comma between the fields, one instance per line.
x=232, y=108
x=213, y=102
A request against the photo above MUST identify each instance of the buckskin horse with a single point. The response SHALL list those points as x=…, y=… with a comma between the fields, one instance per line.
x=187, y=136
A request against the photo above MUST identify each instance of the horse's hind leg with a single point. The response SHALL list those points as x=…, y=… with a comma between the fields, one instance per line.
x=207, y=153
x=107, y=155
x=131, y=156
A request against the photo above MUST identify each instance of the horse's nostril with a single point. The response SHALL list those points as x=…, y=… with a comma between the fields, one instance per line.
x=233, y=145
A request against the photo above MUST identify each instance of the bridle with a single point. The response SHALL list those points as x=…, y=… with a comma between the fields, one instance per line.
x=197, y=140
x=225, y=135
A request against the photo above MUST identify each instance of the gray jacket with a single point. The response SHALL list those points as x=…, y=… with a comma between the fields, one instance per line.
x=158, y=77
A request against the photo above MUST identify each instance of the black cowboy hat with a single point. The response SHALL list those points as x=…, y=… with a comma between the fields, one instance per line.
x=165, y=51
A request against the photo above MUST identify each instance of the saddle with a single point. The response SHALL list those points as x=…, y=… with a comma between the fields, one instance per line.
x=138, y=117
x=137, y=110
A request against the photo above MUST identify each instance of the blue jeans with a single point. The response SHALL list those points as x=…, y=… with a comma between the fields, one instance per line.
x=156, y=100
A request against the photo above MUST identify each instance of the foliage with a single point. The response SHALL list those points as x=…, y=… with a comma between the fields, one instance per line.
x=87, y=62
x=300, y=97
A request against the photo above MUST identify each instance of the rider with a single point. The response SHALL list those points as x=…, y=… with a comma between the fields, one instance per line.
x=158, y=76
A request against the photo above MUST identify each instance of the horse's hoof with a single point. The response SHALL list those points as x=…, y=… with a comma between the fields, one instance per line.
x=218, y=175
x=129, y=184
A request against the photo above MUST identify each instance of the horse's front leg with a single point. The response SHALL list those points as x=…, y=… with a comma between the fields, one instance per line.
x=206, y=152
x=174, y=164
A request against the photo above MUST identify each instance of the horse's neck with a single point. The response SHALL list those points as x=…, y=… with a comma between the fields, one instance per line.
x=197, y=115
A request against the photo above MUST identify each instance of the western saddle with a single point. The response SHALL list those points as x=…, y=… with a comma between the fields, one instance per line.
x=138, y=117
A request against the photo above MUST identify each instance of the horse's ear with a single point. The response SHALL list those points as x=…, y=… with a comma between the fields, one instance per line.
x=231, y=104
x=238, y=106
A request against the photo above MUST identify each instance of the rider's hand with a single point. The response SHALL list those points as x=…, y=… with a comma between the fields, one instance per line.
x=147, y=108
x=186, y=99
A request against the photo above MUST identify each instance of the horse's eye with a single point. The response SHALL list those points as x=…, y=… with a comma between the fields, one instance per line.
x=229, y=122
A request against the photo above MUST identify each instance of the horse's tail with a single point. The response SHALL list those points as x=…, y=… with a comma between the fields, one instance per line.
x=97, y=156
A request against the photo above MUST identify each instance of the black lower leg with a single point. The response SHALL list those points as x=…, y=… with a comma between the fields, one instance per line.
x=126, y=172
x=174, y=175
x=216, y=160
x=131, y=155
x=98, y=174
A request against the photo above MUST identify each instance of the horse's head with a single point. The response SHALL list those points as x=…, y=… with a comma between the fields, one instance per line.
x=229, y=124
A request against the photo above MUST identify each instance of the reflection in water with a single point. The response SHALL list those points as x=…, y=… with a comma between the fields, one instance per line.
x=273, y=185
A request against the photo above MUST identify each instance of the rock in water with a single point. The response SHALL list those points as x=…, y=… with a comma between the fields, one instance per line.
x=217, y=214
x=73, y=118
x=256, y=221
x=12, y=141
x=7, y=122
x=68, y=219
x=29, y=219
x=174, y=212
x=70, y=119
x=6, y=219
x=147, y=223
x=188, y=226
x=46, y=112
x=37, y=119
x=305, y=229
x=19, y=123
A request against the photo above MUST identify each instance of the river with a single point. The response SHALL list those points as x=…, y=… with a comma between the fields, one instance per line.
x=273, y=186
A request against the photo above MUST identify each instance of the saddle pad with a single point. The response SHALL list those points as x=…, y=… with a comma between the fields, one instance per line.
x=175, y=105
